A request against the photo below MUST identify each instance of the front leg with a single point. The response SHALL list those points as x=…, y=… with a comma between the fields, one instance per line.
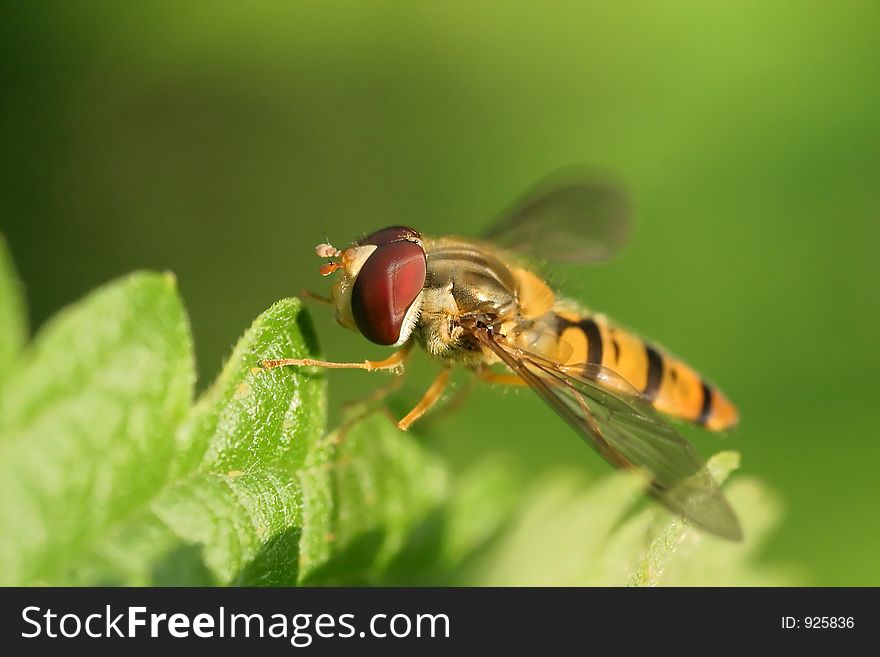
x=395, y=361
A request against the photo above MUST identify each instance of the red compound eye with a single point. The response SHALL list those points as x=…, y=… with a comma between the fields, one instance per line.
x=391, y=234
x=385, y=289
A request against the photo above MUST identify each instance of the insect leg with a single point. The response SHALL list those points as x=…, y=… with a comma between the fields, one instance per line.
x=453, y=403
x=393, y=362
x=376, y=395
x=431, y=397
x=500, y=379
x=314, y=296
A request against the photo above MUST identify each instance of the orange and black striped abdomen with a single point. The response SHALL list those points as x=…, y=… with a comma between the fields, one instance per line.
x=670, y=385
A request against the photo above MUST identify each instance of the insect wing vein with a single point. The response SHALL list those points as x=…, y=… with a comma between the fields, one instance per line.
x=574, y=219
x=626, y=431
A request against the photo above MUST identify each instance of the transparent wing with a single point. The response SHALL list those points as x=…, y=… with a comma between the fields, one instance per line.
x=573, y=218
x=612, y=417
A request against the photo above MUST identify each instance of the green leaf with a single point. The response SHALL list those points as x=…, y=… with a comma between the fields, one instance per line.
x=379, y=484
x=573, y=532
x=87, y=422
x=478, y=503
x=680, y=556
x=242, y=452
x=484, y=498
x=13, y=323
x=561, y=527
x=274, y=501
x=108, y=476
x=232, y=508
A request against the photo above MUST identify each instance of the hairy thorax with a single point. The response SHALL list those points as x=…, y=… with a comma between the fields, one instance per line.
x=466, y=278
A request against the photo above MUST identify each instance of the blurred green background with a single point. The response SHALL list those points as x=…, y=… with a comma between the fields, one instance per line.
x=223, y=140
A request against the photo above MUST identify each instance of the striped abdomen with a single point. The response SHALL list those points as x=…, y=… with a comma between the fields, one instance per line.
x=670, y=385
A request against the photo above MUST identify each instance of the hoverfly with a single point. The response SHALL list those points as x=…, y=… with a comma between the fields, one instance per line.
x=480, y=304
